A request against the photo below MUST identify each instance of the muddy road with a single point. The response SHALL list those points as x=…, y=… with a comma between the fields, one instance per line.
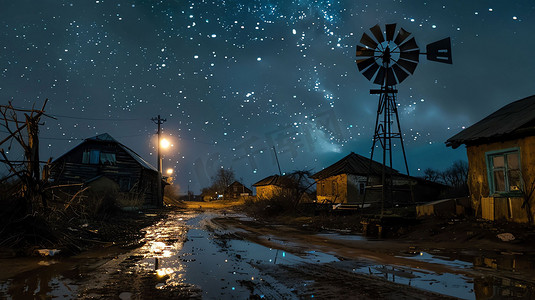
x=230, y=256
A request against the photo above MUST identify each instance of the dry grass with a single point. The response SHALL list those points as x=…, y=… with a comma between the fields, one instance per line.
x=212, y=205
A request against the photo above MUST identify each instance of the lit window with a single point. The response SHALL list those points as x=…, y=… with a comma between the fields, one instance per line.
x=504, y=172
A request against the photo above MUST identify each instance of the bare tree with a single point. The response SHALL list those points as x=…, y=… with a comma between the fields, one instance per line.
x=27, y=171
x=220, y=181
x=431, y=174
x=455, y=176
x=299, y=182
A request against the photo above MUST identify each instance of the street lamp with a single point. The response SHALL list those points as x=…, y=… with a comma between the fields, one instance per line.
x=163, y=143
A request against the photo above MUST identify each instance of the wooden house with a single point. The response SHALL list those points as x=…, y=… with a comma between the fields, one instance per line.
x=103, y=156
x=236, y=190
x=501, y=162
x=347, y=180
x=273, y=185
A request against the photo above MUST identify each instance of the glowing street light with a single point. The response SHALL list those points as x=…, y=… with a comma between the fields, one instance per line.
x=169, y=172
x=164, y=143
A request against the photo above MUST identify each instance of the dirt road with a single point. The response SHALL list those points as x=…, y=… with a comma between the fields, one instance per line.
x=218, y=255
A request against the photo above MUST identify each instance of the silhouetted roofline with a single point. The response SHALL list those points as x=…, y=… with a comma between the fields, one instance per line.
x=354, y=164
x=516, y=119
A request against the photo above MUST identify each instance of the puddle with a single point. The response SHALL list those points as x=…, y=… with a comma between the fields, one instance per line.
x=185, y=252
x=442, y=260
x=345, y=237
x=44, y=282
x=447, y=284
x=221, y=267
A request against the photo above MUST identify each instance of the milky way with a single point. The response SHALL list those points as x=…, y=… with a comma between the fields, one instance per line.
x=234, y=79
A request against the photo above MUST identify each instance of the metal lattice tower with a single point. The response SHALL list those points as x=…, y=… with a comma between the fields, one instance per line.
x=387, y=59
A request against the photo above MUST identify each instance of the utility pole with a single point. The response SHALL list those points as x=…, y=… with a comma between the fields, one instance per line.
x=277, y=158
x=159, y=121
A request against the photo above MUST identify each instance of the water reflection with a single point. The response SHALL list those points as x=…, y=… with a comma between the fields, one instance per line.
x=184, y=250
x=512, y=267
x=46, y=282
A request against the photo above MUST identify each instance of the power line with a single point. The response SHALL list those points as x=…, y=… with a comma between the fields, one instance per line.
x=97, y=119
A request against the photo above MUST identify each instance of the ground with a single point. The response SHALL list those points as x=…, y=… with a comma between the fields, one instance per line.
x=124, y=270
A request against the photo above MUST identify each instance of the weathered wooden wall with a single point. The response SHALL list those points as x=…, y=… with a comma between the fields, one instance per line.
x=267, y=191
x=126, y=172
x=477, y=174
x=332, y=189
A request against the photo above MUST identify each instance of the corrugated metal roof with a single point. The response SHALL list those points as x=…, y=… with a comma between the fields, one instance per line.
x=503, y=122
x=353, y=164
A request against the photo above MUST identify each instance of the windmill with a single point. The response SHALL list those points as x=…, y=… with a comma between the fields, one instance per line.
x=387, y=59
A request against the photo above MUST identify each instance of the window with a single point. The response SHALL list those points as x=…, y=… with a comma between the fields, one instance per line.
x=504, y=172
x=91, y=157
x=107, y=158
x=95, y=157
x=362, y=186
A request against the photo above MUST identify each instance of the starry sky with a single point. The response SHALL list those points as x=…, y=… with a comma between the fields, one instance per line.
x=235, y=78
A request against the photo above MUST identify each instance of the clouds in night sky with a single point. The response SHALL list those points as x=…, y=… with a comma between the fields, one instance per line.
x=234, y=78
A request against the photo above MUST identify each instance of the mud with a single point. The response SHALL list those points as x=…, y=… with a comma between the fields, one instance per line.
x=211, y=255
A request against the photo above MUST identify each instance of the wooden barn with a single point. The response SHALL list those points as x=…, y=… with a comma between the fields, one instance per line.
x=102, y=156
x=236, y=190
x=501, y=162
x=347, y=180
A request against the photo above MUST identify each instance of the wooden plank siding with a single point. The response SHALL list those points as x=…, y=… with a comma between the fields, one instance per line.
x=127, y=172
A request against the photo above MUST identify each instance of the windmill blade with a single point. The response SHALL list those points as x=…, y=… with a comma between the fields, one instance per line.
x=363, y=51
x=390, y=78
x=376, y=30
x=413, y=55
x=440, y=51
x=407, y=65
x=371, y=71
x=400, y=73
x=390, y=31
x=408, y=45
x=402, y=35
x=368, y=41
x=380, y=78
x=364, y=63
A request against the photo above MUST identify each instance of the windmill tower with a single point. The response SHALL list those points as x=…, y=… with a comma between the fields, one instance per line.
x=387, y=59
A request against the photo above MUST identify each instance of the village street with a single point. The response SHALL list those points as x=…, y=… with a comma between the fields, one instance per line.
x=210, y=255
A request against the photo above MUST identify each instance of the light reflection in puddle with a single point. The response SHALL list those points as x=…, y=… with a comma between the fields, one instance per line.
x=430, y=258
x=447, y=284
x=219, y=266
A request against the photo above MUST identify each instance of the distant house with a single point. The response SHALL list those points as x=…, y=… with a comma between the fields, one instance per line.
x=273, y=185
x=501, y=159
x=236, y=190
x=347, y=180
x=103, y=156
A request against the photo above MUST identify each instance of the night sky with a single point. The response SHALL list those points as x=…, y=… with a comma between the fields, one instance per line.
x=235, y=78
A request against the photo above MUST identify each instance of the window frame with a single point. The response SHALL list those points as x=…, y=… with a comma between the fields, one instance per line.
x=490, y=171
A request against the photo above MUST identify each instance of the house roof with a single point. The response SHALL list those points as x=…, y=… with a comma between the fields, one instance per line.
x=277, y=180
x=353, y=164
x=105, y=137
x=239, y=184
x=517, y=118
